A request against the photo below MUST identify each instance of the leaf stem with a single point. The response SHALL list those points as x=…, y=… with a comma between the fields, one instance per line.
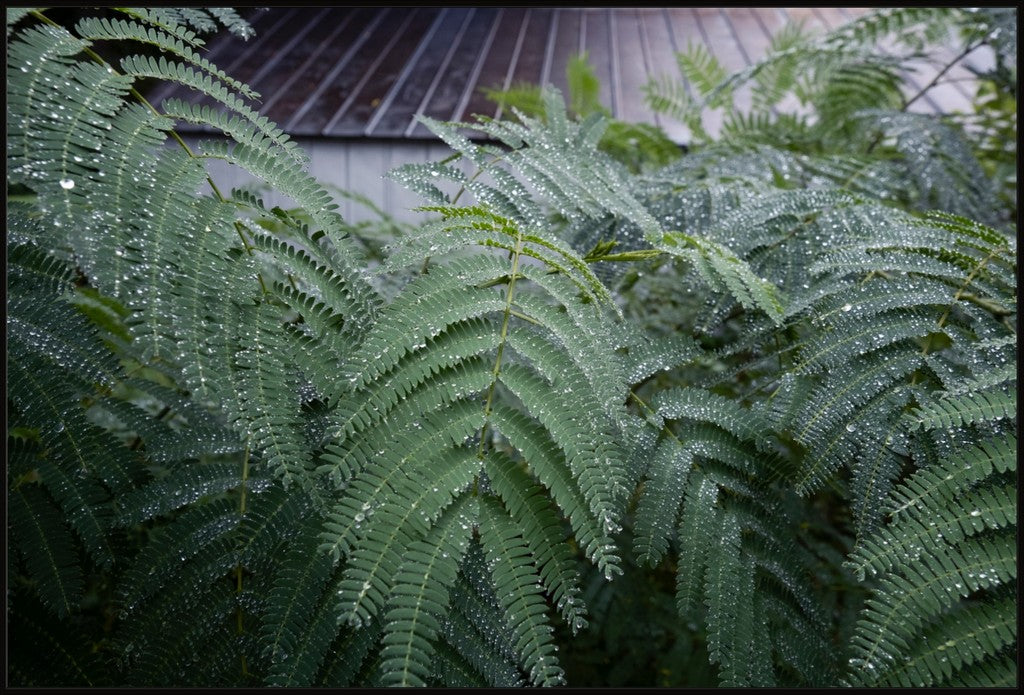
x=474, y=177
x=238, y=567
x=513, y=275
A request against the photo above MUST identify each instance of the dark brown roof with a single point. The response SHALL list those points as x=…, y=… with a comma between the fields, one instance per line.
x=367, y=72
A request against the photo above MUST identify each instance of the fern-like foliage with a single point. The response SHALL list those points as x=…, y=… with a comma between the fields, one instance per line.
x=866, y=383
x=852, y=101
x=948, y=555
x=467, y=378
x=639, y=146
x=746, y=416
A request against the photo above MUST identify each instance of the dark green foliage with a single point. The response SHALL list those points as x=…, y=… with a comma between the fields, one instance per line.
x=745, y=416
x=639, y=146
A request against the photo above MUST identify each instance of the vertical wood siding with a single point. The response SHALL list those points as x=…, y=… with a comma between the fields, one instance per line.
x=358, y=166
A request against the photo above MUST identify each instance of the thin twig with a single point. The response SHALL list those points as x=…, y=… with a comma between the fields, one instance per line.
x=938, y=76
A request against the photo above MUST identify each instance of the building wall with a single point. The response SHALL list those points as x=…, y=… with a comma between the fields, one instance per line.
x=358, y=166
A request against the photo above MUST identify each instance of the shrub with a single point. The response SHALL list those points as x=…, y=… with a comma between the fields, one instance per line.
x=746, y=419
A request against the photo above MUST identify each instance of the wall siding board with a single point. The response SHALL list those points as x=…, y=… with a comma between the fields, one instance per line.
x=358, y=166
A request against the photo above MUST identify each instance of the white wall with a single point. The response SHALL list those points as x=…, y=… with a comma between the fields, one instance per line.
x=354, y=165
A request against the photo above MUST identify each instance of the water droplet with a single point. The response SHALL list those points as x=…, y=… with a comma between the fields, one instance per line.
x=67, y=184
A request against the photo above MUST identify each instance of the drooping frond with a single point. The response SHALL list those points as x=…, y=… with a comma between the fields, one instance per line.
x=190, y=537
x=291, y=621
x=99, y=29
x=266, y=397
x=476, y=627
x=905, y=23
x=421, y=596
x=432, y=421
x=140, y=66
x=700, y=68
x=698, y=520
x=722, y=269
x=518, y=589
x=644, y=353
x=929, y=530
x=48, y=651
x=973, y=634
x=543, y=532
x=204, y=20
x=472, y=646
x=733, y=623
x=891, y=622
x=47, y=549
x=667, y=95
x=939, y=159
x=349, y=657
x=948, y=548
x=659, y=505
x=55, y=360
x=15, y=15
x=231, y=20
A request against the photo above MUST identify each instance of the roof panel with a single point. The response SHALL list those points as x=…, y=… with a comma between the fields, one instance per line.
x=421, y=73
x=494, y=70
x=327, y=55
x=312, y=33
x=529, y=62
x=268, y=46
x=597, y=43
x=454, y=83
x=368, y=71
x=325, y=98
x=401, y=35
x=566, y=44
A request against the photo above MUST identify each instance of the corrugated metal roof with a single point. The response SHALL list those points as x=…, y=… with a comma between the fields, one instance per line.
x=367, y=72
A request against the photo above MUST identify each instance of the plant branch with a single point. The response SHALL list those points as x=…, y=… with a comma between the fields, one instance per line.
x=938, y=76
x=238, y=567
x=513, y=275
